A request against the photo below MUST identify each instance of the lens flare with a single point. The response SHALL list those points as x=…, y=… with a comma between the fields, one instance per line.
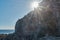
x=35, y=4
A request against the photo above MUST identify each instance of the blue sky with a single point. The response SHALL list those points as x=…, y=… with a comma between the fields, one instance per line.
x=11, y=11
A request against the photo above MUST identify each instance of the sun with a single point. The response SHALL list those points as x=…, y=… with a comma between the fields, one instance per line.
x=35, y=4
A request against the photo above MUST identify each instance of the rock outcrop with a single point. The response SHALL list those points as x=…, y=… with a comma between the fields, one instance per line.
x=42, y=23
x=46, y=19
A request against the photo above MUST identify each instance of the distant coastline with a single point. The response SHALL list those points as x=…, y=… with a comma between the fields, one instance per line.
x=6, y=31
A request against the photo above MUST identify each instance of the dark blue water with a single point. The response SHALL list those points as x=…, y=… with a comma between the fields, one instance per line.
x=6, y=31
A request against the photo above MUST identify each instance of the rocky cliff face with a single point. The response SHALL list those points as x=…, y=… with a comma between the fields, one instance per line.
x=42, y=23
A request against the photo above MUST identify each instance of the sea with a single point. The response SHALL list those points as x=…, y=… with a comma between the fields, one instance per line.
x=6, y=31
